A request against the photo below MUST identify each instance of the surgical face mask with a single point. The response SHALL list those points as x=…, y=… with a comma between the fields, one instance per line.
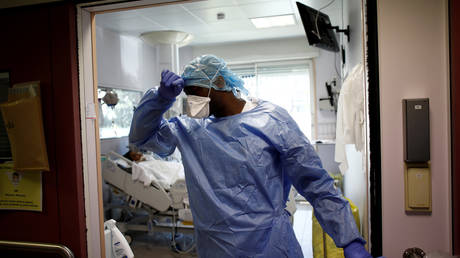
x=197, y=106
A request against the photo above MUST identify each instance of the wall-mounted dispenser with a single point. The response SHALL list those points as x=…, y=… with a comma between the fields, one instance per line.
x=417, y=173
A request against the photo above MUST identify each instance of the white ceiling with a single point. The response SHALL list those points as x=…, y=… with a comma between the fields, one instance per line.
x=200, y=19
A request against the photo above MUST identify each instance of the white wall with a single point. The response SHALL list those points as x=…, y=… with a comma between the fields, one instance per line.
x=326, y=72
x=413, y=63
x=125, y=61
x=354, y=48
x=355, y=179
x=185, y=56
x=355, y=182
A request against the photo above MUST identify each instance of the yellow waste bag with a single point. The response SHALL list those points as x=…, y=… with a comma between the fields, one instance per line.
x=22, y=116
x=323, y=245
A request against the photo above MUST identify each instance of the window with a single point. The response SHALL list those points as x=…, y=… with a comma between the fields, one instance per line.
x=286, y=84
x=115, y=120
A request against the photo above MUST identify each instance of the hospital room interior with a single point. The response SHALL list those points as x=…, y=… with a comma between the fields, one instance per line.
x=276, y=64
x=336, y=137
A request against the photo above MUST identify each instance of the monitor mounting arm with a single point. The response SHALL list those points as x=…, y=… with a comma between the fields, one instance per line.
x=344, y=31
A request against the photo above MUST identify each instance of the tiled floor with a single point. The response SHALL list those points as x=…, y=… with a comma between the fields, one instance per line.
x=157, y=245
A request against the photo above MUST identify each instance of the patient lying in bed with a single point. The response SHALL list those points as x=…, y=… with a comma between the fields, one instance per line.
x=148, y=168
x=134, y=155
x=165, y=173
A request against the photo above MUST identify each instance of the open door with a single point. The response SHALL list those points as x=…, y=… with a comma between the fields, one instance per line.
x=40, y=46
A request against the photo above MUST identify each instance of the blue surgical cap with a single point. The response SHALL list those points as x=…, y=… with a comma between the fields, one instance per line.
x=204, y=70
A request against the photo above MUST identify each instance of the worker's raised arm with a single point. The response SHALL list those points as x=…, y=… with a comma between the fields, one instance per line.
x=149, y=131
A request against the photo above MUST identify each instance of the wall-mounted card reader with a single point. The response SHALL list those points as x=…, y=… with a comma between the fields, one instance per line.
x=416, y=130
x=417, y=174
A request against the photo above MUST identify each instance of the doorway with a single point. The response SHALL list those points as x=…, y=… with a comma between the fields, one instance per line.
x=322, y=124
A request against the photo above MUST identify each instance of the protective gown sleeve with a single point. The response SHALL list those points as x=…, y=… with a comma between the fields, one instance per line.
x=303, y=168
x=149, y=130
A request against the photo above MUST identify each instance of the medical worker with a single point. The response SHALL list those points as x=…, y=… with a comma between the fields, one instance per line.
x=240, y=157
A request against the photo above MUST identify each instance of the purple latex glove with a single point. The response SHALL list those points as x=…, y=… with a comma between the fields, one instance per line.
x=171, y=85
x=355, y=250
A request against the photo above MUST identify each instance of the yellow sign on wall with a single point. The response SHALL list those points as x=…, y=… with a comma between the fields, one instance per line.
x=20, y=190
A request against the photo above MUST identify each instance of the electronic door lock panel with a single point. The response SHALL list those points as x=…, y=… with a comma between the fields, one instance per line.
x=417, y=172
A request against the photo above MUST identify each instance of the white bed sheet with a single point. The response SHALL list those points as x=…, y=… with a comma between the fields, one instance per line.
x=164, y=173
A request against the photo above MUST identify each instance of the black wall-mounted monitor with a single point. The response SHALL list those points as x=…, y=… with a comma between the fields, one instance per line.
x=318, y=27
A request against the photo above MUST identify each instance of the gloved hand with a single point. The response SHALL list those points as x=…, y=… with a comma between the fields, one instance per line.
x=355, y=250
x=171, y=85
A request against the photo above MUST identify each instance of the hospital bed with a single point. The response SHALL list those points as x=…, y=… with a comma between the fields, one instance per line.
x=162, y=196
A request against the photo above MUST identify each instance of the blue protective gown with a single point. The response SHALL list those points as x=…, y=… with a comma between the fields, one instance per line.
x=239, y=170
